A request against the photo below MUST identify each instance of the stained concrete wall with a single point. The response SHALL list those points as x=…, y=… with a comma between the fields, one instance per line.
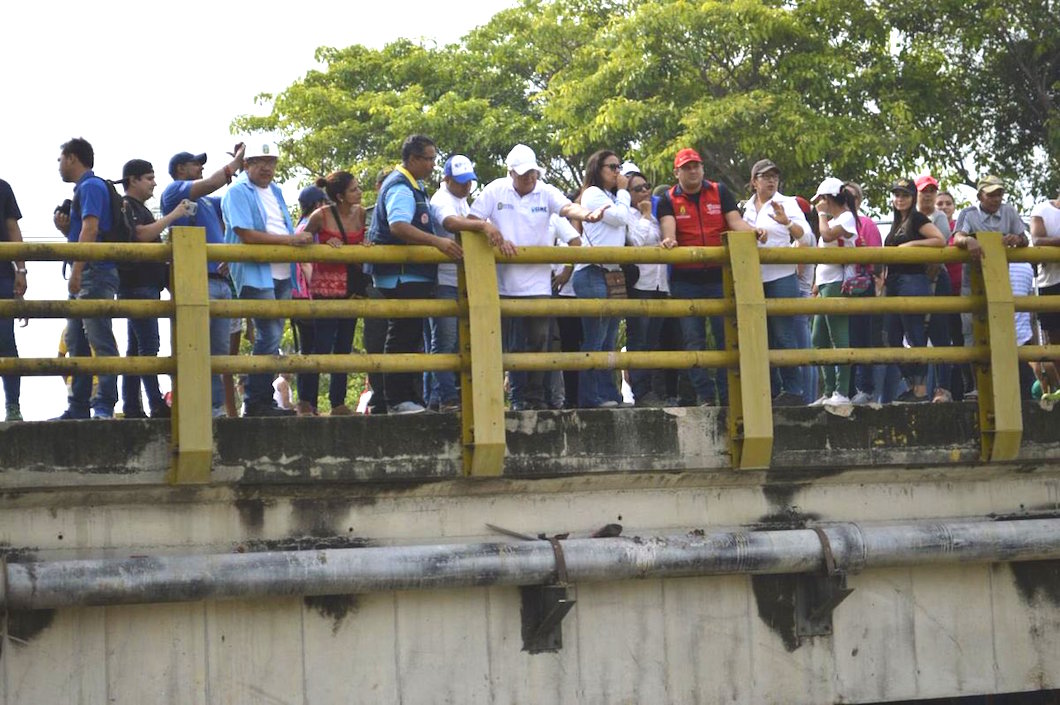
x=903, y=633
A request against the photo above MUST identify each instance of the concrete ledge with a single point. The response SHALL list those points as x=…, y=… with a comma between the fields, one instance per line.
x=426, y=447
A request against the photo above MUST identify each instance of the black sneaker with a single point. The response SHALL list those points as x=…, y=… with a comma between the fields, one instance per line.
x=161, y=412
x=70, y=415
x=134, y=414
x=267, y=409
x=910, y=397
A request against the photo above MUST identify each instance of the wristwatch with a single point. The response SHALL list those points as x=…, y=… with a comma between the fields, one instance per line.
x=23, y=270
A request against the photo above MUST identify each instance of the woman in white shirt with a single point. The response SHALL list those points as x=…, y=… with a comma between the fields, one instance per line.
x=780, y=222
x=603, y=185
x=837, y=215
x=644, y=333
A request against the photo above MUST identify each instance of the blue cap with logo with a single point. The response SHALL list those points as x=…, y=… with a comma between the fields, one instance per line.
x=459, y=169
x=183, y=158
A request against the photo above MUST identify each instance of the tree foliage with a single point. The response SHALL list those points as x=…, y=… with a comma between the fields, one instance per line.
x=863, y=91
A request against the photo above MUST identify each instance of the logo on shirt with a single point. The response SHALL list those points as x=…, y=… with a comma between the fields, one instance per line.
x=683, y=211
x=425, y=219
x=502, y=206
x=713, y=209
x=539, y=209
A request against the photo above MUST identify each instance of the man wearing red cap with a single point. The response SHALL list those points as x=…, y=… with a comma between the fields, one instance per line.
x=695, y=213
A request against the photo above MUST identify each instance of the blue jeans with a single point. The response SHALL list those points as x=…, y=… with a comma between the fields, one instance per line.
x=598, y=335
x=12, y=383
x=809, y=373
x=220, y=336
x=85, y=335
x=865, y=333
x=440, y=335
x=782, y=335
x=269, y=331
x=643, y=334
x=143, y=342
x=526, y=334
x=938, y=331
x=910, y=324
x=694, y=335
x=331, y=336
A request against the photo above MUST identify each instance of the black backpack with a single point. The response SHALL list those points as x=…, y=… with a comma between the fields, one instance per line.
x=122, y=224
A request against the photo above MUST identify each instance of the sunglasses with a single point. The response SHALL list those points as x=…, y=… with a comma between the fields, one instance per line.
x=612, y=167
x=641, y=189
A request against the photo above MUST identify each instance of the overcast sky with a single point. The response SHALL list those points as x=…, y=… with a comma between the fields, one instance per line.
x=158, y=78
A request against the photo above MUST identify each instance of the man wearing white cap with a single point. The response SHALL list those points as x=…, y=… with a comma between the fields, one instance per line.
x=520, y=206
x=256, y=214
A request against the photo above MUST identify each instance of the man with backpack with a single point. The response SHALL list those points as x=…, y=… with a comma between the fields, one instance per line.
x=143, y=281
x=91, y=219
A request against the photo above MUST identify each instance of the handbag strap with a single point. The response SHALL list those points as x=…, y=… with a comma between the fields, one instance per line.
x=338, y=222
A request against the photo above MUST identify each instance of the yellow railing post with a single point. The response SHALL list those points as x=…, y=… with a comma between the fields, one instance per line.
x=482, y=368
x=192, y=434
x=1000, y=412
x=750, y=401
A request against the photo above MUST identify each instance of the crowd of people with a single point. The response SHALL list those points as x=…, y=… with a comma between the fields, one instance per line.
x=616, y=205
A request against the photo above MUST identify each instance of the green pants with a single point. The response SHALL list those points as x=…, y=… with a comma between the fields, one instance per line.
x=832, y=332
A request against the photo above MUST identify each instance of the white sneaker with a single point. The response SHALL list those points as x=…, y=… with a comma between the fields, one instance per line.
x=822, y=401
x=861, y=399
x=408, y=407
x=837, y=399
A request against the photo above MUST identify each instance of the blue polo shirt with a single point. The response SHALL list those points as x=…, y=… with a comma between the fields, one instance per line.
x=242, y=208
x=207, y=216
x=94, y=198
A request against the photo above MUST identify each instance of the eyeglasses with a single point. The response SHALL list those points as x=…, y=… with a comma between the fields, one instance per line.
x=641, y=189
x=769, y=176
x=612, y=167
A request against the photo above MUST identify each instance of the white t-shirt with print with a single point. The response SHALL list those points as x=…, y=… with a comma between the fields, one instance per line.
x=830, y=273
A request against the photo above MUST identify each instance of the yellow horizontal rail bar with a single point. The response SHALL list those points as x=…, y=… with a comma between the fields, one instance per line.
x=357, y=362
x=1034, y=254
x=392, y=254
x=872, y=356
x=44, y=366
x=616, y=255
x=1038, y=353
x=344, y=308
x=570, y=306
x=1037, y=304
x=563, y=306
x=671, y=360
x=875, y=305
x=862, y=255
x=85, y=252
x=86, y=308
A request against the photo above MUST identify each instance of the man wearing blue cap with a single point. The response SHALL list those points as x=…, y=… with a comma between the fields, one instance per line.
x=450, y=211
x=188, y=183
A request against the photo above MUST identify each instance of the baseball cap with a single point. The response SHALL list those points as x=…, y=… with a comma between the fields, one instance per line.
x=762, y=166
x=134, y=168
x=905, y=186
x=989, y=184
x=685, y=156
x=310, y=195
x=922, y=182
x=183, y=158
x=260, y=149
x=628, y=168
x=522, y=159
x=460, y=169
x=829, y=187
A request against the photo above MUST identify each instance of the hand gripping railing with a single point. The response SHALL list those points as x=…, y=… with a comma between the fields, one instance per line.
x=481, y=360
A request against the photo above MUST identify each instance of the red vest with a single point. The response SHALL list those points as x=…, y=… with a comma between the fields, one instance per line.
x=698, y=225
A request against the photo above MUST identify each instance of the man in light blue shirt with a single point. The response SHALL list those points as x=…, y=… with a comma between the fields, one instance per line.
x=256, y=214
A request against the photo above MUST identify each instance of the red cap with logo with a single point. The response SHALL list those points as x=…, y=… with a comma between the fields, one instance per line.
x=685, y=156
x=926, y=180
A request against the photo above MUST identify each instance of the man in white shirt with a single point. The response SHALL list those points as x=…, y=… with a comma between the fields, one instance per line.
x=450, y=216
x=519, y=206
x=256, y=214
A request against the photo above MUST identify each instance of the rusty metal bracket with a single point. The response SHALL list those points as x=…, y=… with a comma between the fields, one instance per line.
x=817, y=596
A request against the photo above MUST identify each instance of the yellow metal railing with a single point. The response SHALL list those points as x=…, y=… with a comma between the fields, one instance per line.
x=481, y=360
